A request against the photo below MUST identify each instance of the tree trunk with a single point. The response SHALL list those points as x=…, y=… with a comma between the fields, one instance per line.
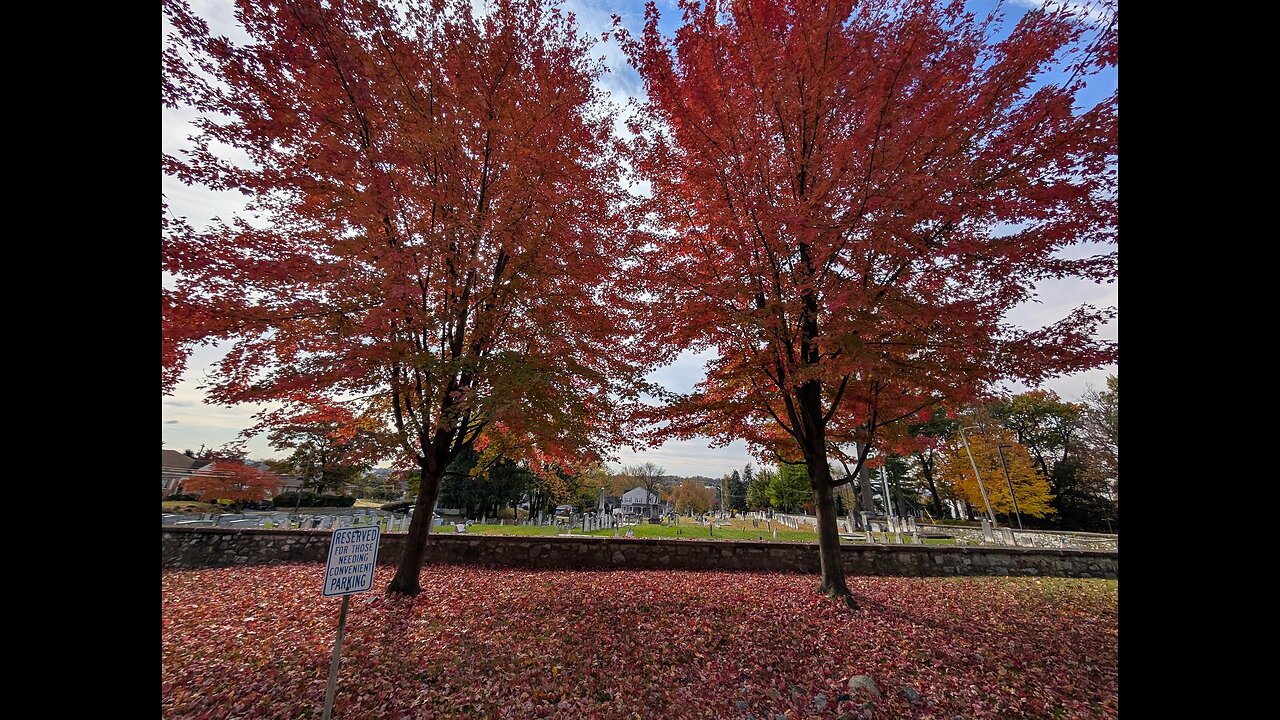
x=832, y=566
x=814, y=447
x=405, y=581
x=864, y=486
x=935, y=501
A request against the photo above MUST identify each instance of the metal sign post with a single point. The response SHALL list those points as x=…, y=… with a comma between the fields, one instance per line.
x=353, y=555
x=332, y=687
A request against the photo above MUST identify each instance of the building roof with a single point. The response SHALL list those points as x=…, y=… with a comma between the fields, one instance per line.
x=637, y=496
x=176, y=460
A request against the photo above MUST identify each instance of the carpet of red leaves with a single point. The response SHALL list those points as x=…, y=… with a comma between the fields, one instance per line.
x=255, y=643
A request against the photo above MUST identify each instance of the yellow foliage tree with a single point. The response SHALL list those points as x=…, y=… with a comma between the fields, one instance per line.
x=1030, y=486
x=584, y=489
x=692, y=496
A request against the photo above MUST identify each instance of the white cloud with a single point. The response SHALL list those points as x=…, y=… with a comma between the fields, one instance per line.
x=220, y=14
x=1053, y=301
x=188, y=422
x=1094, y=11
x=621, y=82
x=1072, y=387
x=690, y=457
x=1056, y=298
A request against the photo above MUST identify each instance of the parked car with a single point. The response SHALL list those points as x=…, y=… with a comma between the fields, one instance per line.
x=435, y=517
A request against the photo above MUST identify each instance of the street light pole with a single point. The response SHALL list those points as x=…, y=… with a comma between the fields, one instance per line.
x=1003, y=464
x=981, y=487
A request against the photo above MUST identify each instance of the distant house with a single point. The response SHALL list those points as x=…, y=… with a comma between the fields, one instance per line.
x=176, y=467
x=288, y=483
x=642, y=503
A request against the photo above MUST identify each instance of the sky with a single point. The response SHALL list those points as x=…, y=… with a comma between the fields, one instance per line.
x=188, y=422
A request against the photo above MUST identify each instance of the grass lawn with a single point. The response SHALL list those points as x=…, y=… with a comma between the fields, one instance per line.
x=740, y=530
x=477, y=529
x=687, y=529
x=503, y=643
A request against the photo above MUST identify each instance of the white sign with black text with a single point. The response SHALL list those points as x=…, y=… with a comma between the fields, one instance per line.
x=353, y=554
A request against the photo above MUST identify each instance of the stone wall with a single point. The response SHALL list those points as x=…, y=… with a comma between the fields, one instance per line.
x=1031, y=538
x=223, y=547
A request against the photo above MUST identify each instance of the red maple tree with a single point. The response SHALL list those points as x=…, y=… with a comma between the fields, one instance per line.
x=847, y=198
x=230, y=480
x=437, y=231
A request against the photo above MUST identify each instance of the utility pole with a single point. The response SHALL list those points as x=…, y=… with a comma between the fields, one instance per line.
x=1003, y=464
x=981, y=487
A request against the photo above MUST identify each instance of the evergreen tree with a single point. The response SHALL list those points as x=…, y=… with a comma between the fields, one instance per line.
x=758, y=489
x=737, y=496
x=790, y=489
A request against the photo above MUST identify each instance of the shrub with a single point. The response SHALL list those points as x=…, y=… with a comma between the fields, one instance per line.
x=184, y=497
x=397, y=507
x=288, y=499
x=309, y=499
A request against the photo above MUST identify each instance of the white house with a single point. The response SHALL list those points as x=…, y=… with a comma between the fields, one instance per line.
x=638, y=501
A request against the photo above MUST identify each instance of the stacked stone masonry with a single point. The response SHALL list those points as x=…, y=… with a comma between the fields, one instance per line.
x=187, y=548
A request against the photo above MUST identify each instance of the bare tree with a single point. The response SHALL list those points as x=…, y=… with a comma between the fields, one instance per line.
x=1100, y=432
x=647, y=476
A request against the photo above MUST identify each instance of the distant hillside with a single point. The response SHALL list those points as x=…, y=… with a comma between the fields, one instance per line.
x=674, y=480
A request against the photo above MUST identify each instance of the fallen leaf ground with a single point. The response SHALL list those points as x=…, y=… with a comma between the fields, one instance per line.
x=499, y=643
